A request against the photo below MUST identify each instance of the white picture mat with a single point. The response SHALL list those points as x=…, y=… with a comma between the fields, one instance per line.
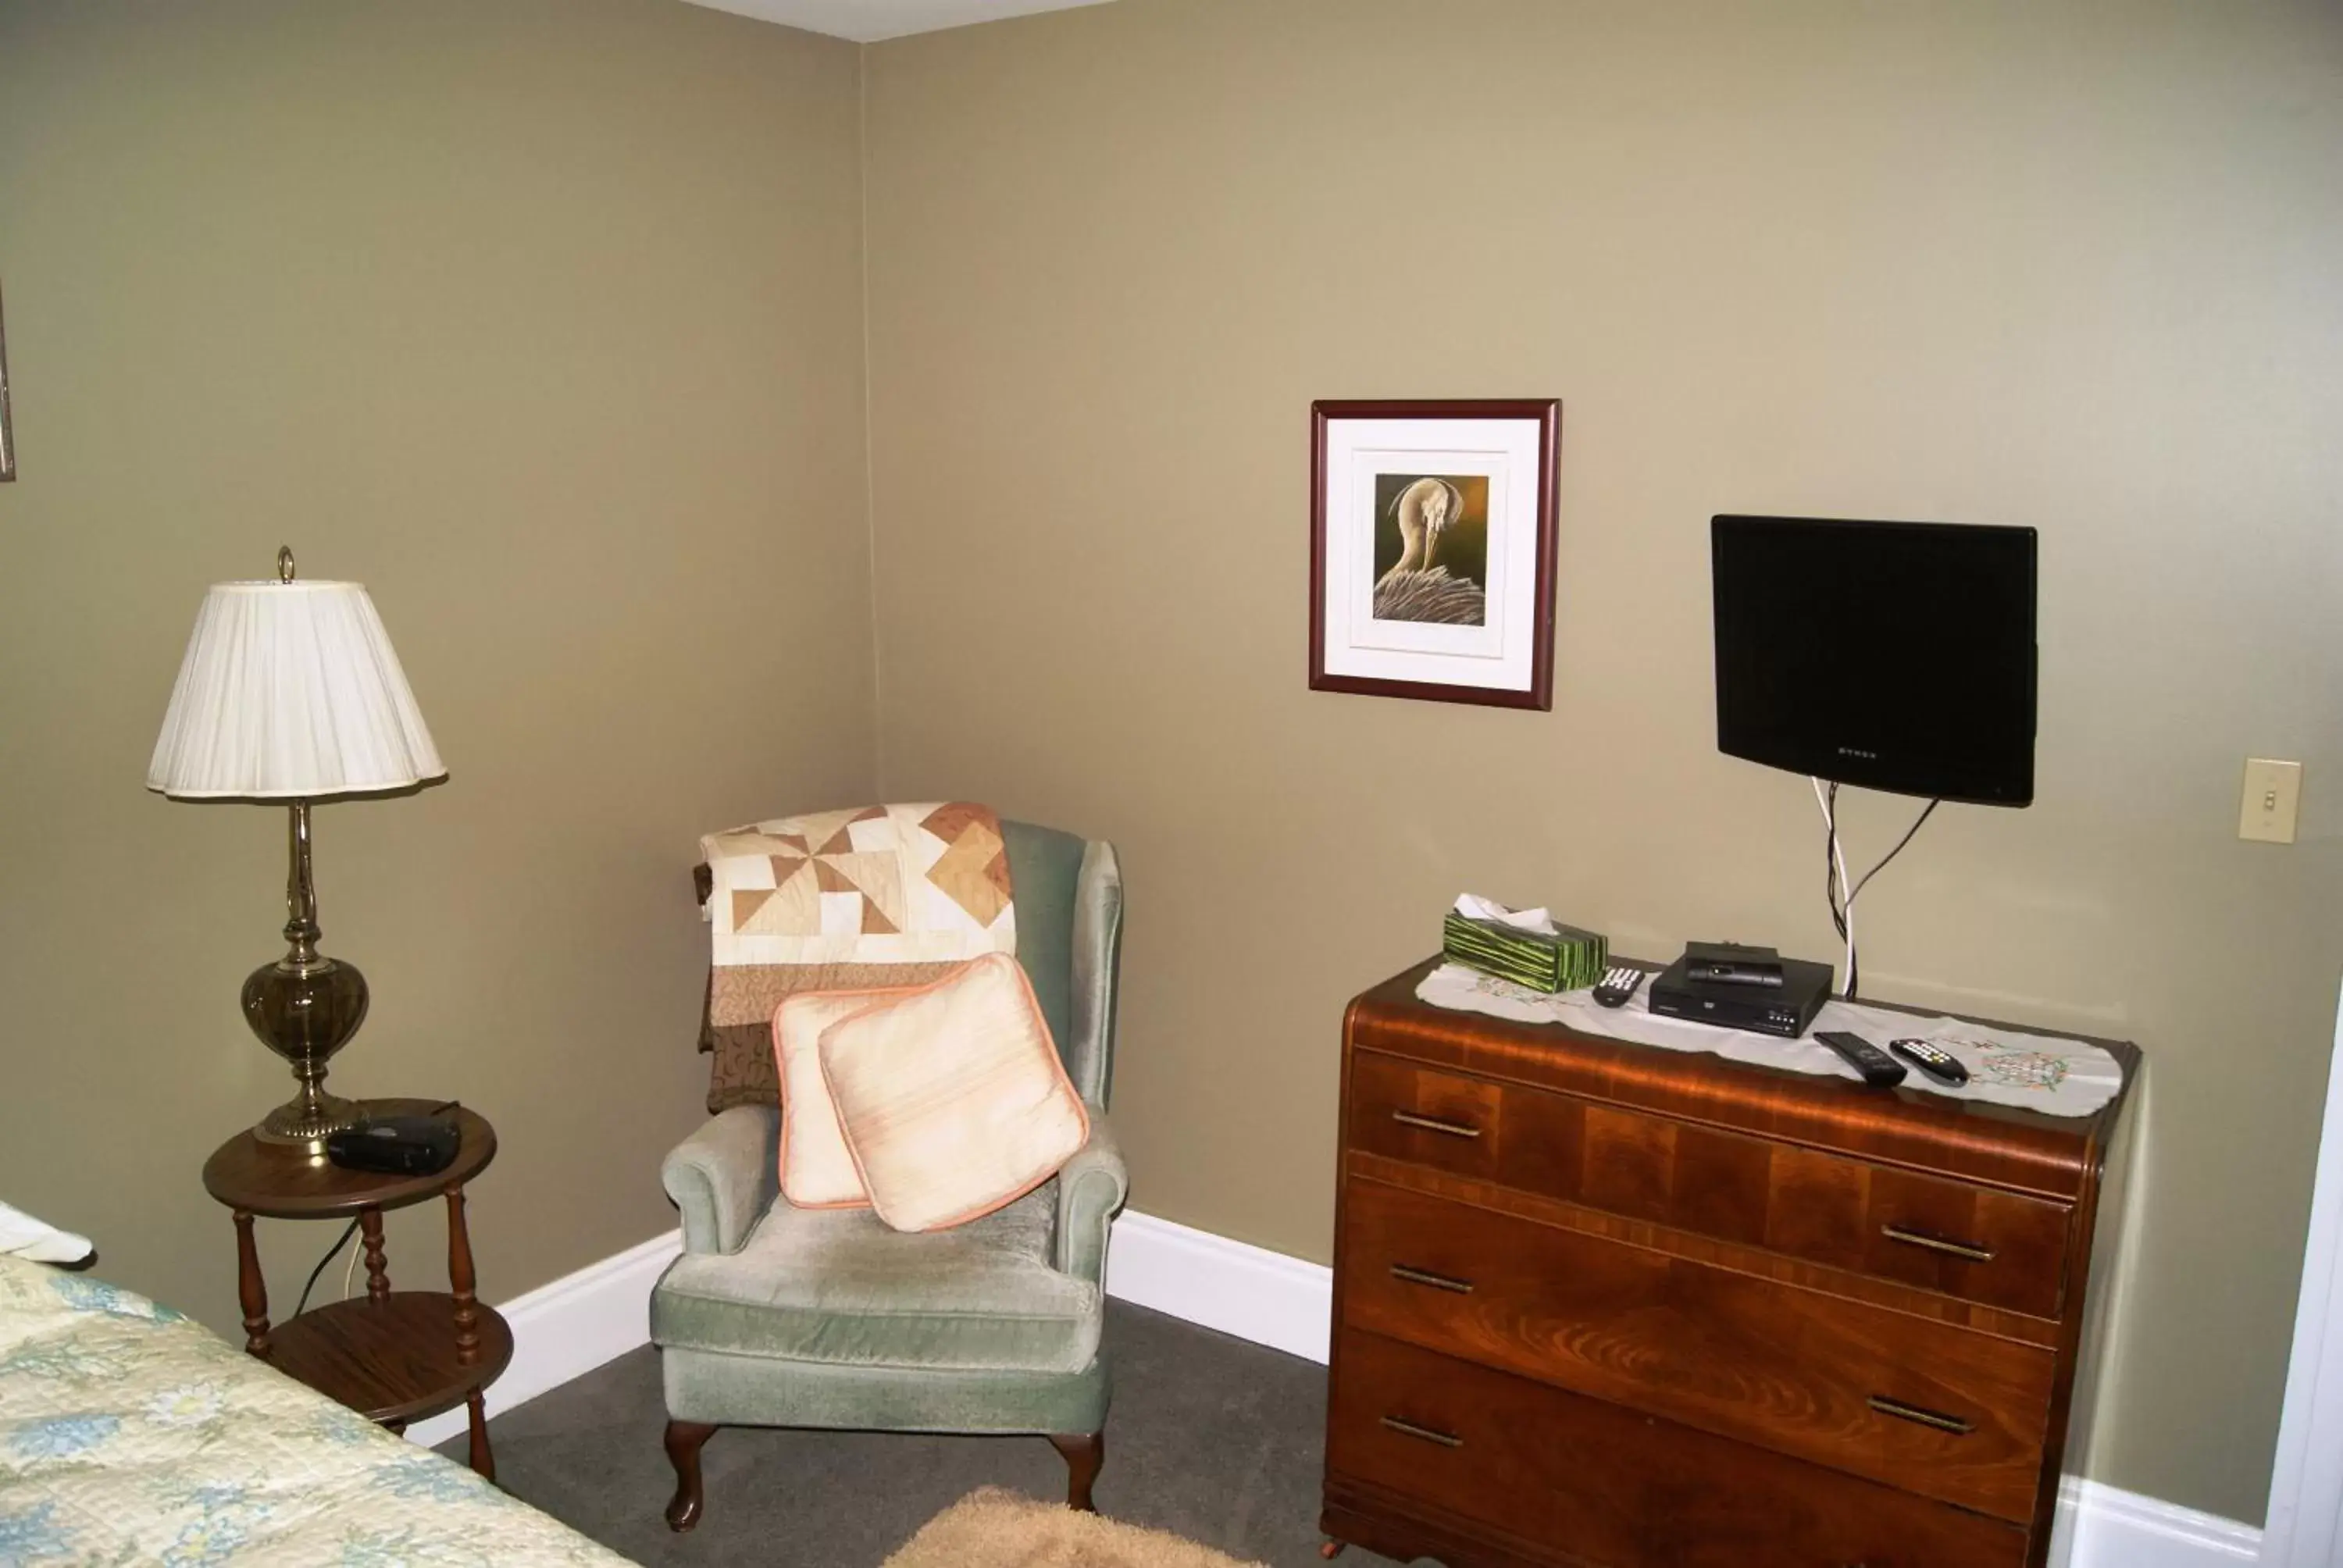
x=1499, y=655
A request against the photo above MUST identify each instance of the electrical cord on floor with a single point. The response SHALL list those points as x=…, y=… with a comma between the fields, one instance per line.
x=334, y=1251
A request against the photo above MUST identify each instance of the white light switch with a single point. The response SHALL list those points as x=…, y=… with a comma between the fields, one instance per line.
x=2273, y=790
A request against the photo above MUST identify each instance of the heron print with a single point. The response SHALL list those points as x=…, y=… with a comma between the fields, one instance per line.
x=1431, y=547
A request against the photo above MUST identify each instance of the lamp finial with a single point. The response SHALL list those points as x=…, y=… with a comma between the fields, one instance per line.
x=285, y=563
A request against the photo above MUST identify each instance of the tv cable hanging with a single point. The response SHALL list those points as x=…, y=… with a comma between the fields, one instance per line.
x=1835, y=885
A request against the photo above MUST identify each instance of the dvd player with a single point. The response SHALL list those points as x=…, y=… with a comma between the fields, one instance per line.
x=1786, y=1010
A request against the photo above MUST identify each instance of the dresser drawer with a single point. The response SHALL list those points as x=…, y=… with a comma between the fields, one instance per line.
x=1615, y=1488
x=1976, y=1243
x=1920, y=1405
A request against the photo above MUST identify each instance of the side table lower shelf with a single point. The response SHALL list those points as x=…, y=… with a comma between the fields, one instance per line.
x=397, y=1358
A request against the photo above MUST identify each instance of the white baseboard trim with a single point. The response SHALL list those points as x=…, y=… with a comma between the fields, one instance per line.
x=1287, y=1304
x=2105, y=1527
x=1200, y=1278
x=1251, y=1292
x=566, y=1329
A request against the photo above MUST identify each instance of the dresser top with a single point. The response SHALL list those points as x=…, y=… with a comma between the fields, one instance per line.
x=2021, y=1149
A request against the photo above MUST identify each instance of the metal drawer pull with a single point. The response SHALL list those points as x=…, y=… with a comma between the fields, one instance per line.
x=1409, y=1429
x=1919, y=1417
x=1437, y=1282
x=1969, y=1250
x=1434, y=1124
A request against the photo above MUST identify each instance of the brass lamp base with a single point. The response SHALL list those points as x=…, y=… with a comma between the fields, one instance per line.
x=305, y=1125
x=305, y=1007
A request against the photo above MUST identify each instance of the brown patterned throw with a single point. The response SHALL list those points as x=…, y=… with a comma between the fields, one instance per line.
x=839, y=901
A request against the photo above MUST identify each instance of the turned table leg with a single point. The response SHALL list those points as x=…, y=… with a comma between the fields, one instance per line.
x=459, y=1281
x=250, y=1292
x=468, y=1325
x=378, y=1266
x=484, y=1463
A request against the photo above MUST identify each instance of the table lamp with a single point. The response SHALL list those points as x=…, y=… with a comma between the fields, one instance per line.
x=290, y=692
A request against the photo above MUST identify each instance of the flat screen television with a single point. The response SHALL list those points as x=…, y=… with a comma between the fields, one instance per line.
x=1890, y=656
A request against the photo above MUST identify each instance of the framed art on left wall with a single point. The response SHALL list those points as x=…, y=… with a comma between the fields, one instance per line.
x=1431, y=549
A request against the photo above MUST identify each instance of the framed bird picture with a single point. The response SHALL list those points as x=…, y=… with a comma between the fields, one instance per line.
x=1432, y=530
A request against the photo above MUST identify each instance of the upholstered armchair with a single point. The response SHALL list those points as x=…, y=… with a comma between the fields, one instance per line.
x=781, y=1316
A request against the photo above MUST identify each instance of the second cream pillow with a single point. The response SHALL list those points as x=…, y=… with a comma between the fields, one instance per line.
x=951, y=1096
x=816, y=1168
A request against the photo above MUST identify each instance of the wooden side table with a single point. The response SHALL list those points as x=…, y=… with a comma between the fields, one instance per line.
x=393, y=1356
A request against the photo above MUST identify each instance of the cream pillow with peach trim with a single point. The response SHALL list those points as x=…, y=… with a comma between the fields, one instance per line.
x=952, y=1096
x=816, y=1168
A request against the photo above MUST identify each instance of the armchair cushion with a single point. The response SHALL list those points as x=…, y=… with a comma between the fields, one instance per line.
x=837, y=1286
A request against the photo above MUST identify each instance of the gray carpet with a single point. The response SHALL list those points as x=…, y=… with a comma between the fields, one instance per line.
x=1210, y=1438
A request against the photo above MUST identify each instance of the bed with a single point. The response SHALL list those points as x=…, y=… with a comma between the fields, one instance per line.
x=131, y=1435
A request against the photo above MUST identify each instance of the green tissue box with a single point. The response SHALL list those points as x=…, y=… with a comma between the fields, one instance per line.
x=1570, y=960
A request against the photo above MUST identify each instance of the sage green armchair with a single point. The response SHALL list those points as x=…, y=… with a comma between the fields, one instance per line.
x=781, y=1316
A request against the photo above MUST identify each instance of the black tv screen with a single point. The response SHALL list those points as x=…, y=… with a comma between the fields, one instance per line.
x=1893, y=656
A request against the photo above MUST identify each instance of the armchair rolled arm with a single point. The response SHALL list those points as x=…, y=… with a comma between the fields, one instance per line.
x=724, y=1176
x=1090, y=1190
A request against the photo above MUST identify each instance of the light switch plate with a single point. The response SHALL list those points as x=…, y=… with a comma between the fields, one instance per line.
x=2273, y=790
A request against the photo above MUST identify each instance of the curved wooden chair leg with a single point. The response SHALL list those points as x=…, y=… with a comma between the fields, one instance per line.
x=1083, y=1453
x=684, y=1439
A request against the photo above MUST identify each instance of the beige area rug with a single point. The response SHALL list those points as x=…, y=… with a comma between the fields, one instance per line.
x=991, y=1528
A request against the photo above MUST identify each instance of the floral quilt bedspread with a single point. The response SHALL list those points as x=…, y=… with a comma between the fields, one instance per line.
x=131, y=1435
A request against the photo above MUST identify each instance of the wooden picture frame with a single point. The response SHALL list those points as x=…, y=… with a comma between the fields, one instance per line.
x=1432, y=548
x=7, y=432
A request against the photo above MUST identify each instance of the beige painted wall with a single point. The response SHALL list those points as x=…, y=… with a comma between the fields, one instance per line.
x=544, y=321
x=2072, y=266
x=541, y=317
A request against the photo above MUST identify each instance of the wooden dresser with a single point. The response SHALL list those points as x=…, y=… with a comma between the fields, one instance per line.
x=1602, y=1304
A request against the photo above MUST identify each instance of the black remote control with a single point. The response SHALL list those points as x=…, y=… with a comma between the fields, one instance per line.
x=1878, y=1068
x=1939, y=1065
x=1619, y=983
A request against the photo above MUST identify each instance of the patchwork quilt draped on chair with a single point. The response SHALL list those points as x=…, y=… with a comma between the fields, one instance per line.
x=872, y=897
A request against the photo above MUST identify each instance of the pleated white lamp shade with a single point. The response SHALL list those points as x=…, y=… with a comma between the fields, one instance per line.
x=290, y=691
